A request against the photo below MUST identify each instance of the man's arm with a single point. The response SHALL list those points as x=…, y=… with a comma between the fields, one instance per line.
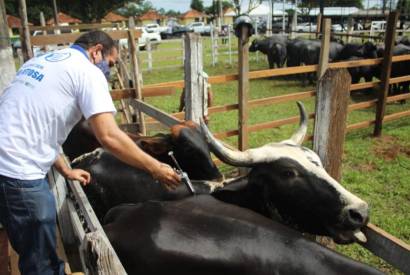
x=118, y=143
x=72, y=174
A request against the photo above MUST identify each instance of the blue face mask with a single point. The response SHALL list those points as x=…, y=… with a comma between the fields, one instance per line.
x=105, y=68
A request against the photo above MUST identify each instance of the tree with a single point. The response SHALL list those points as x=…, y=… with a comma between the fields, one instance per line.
x=214, y=8
x=134, y=9
x=252, y=4
x=197, y=5
x=85, y=10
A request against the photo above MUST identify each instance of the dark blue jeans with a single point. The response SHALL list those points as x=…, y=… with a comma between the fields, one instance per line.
x=28, y=213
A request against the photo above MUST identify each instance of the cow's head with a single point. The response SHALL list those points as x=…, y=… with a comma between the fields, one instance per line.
x=254, y=45
x=369, y=50
x=292, y=183
x=190, y=149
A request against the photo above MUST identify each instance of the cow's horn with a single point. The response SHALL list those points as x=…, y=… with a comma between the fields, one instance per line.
x=299, y=135
x=228, y=156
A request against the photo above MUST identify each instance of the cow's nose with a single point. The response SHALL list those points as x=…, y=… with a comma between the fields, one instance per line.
x=358, y=215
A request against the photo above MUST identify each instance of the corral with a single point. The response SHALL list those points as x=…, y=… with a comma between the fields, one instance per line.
x=249, y=124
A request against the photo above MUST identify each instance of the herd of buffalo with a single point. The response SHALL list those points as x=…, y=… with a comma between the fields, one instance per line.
x=253, y=224
x=281, y=51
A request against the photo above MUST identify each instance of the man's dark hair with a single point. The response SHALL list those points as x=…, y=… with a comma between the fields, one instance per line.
x=93, y=38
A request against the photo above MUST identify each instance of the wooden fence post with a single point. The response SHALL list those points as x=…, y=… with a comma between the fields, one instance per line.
x=213, y=46
x=385, y=74
x=318, y=24
x=243, y=86
x=183, y=49
x=25, y=32
x=324, y=49
x=149, y=51
x=7, y=66
x=332, y=97
x=195, y=86
x=229, y=43
x=350, y=28
x=132, y=44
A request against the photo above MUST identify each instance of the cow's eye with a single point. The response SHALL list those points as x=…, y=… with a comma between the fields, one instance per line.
x=289, y=174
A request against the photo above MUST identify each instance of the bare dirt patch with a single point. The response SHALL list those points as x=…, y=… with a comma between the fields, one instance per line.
x=388, y=148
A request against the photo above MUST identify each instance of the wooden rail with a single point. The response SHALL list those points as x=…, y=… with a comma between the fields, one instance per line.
x=218, y=79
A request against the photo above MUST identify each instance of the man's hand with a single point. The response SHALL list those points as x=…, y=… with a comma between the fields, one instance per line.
x=78, y=174
x=167, y=176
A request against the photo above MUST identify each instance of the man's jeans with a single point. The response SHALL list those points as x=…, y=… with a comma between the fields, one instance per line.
x=28, y=212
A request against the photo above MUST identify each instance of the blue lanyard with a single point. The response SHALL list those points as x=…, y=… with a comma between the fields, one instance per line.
x=80, y=49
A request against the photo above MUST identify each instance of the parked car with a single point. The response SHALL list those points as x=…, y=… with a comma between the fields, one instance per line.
x=199, y=27
x=174, y=32
x=155, y=28
x=338, y=28
x=306, y=27
x=153, y=37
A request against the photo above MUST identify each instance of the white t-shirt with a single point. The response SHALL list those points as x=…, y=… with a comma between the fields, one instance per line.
x=39, y=108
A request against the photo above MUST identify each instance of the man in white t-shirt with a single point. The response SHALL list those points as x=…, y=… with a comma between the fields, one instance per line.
x=38, y=109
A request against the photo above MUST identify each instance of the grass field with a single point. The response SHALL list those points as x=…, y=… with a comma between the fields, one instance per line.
x=376, y=169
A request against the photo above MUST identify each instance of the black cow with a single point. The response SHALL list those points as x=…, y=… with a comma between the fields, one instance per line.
x=366, y=72
x=398, y=69
x=273, y=47
x=114, y=182
x=309, y=52
x=367, y=50
x=288, y=181
x=285, y=179
x=201, y=235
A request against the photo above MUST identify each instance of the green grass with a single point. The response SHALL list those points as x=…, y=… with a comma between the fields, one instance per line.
x=375, y=169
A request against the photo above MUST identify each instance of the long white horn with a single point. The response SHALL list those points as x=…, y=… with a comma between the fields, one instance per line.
x=299, y=135
x=229, y=156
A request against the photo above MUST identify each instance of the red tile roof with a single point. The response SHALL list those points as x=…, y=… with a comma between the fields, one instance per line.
x=192, y=14
x=151, y=15
x=14, y=22
x=113, y=17
x=63, y=18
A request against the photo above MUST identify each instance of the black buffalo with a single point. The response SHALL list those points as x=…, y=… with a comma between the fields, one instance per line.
x=204, y=236
x=367, y=51
x=273, y=47
x=398, y=69
x=114, y=182
x=307, y=52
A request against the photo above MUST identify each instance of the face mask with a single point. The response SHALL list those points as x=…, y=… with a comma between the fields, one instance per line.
x=105, y=68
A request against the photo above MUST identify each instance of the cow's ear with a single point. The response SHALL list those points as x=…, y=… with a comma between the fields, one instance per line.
x=154, y=147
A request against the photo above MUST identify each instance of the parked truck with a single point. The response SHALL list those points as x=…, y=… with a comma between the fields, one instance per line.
x=199, y=27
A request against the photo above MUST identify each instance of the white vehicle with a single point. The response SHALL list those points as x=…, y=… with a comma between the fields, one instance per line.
x=378, y=25
x=306, y=27
x=337, y=28
x=155, y=28
x=199, y=27
x=153, y=37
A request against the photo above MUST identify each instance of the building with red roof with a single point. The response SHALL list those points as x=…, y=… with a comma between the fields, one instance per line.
x=64, y=19
x=151, y=16
x=192, y=16
x=114, y=17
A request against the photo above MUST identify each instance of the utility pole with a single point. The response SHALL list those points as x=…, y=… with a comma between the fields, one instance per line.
x=283, y=16
x=220, y=15
x=55, y=12
x=269, y=22
x=7, y=66
x=25, y=32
